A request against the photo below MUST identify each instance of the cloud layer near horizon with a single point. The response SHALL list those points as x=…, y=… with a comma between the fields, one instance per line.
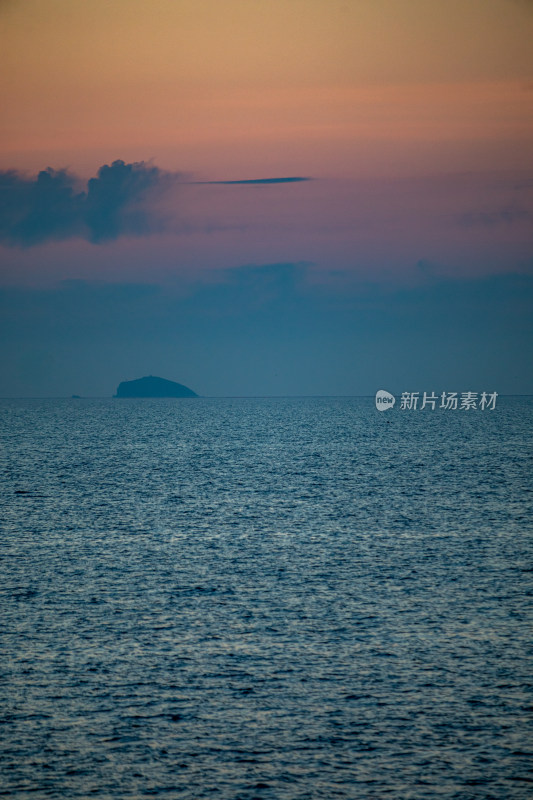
x=269, y=329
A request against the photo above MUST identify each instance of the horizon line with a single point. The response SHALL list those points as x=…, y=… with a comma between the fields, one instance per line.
x=209, y=396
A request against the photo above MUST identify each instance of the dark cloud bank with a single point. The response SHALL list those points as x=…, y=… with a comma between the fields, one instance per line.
x=122, y=200
x=268, y=329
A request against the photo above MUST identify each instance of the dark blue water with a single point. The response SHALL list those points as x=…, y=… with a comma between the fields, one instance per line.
x=272, y=598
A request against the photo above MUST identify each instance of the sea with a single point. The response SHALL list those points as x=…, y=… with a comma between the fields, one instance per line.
x=265, y=599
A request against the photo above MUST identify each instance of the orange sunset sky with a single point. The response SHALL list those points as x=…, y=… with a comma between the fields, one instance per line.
x=227, y=87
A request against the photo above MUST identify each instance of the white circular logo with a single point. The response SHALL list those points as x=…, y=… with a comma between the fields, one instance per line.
x=384, y=400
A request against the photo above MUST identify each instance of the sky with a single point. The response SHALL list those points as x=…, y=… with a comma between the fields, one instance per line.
x=252, y=197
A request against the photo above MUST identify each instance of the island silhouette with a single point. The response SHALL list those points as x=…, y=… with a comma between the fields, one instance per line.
x=151, y=386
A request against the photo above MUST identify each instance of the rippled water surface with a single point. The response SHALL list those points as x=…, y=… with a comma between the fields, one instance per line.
x=271, y=598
